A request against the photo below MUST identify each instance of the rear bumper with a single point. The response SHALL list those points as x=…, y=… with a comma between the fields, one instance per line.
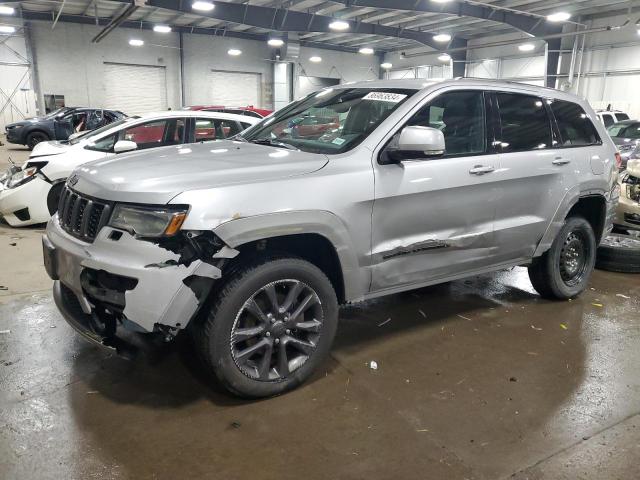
x=26, y=204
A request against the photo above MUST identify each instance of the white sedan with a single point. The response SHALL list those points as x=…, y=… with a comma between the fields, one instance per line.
x=29, y=195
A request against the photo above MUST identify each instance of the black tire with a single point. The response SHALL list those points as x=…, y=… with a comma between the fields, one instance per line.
x=54, y=197
x=229, y=315
x=574, y=248
x=35, y=138
x=619, y=253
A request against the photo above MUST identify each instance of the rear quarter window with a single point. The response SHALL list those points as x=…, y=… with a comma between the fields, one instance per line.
x=574, y=124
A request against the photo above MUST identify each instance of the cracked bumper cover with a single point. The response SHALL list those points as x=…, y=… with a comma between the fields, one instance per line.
x=163, y=296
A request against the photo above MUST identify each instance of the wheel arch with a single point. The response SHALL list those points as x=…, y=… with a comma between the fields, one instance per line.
x=319, y=237
x=590, y=205
x=34, y=130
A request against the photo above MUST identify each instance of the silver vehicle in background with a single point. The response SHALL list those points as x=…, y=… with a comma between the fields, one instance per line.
x=626, y=136
x=252, y=243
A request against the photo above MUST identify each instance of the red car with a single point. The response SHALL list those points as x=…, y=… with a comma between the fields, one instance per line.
x=249, y=111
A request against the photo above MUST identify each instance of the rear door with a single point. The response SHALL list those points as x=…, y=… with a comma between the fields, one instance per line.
x=535, y=173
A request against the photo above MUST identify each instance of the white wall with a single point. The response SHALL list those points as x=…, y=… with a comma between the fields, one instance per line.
x=69, y=64
x=202, y=53
x=347, y=67
x=15, y=80
x=612, y=72
x=418, y=66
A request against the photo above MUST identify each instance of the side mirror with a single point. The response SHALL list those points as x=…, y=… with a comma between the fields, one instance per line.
x=415, y=142
x=122, y=146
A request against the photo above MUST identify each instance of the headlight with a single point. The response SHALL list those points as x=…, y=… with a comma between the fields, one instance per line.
x=21, y=177
x=148, y=221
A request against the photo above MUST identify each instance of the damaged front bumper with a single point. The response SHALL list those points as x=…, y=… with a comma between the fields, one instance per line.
x=120, y=282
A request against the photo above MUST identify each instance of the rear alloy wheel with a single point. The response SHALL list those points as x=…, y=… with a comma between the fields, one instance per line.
x=271, y=325
x=35, y=138
x=564, y=270
x=619, y=253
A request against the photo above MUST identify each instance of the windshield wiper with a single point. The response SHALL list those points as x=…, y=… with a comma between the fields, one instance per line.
x=273, y=143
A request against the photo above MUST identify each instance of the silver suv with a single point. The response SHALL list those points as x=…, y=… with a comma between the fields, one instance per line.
x=356, y=191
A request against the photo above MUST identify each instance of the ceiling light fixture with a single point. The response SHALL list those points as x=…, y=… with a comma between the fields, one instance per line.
x=559, y=17
x=440, y=1
x=234, y=52
x=526, y=47
x=442, y=37
x=135, y=42
x=386, y=65
x=339, y=25
x=203, y=6
x=315, y=59
x=366, y=51
x=162, y=28
x=445, y=57
x=7, y=10
x=275, y=42
x=7, y=29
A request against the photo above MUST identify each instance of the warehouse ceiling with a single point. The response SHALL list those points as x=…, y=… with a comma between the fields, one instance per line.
x=384, y=25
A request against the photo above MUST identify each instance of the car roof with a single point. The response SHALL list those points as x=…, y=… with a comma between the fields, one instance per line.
x=491, y=84
x=195, y=113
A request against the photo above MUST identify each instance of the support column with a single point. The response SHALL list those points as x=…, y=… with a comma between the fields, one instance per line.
x=459, y=59
x=553, y=58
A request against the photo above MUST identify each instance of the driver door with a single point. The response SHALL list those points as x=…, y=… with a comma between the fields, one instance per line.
x=63, y=127
x=433, y=217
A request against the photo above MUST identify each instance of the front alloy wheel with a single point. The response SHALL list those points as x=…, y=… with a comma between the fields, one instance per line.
x=269, y=327
x=277, y=330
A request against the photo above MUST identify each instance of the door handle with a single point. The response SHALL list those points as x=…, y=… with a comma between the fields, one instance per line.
x=561, y=161
x=481, y=169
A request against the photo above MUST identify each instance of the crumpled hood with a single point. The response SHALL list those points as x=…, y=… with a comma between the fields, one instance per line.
x=54, y=147
x=157, y=175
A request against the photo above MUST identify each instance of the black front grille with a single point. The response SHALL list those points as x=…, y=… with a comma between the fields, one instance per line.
x=81, y=216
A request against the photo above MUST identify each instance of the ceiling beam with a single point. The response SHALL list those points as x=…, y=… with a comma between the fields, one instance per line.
x=284, y=20
x=138, y=25
x=531, y=24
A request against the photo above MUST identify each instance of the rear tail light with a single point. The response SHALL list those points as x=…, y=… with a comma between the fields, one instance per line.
x=618, y=160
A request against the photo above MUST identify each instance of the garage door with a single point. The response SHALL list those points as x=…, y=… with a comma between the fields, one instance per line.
x=135, y=89
x=235, y=89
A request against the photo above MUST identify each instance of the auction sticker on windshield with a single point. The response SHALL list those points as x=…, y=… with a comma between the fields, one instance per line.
x=385, y=97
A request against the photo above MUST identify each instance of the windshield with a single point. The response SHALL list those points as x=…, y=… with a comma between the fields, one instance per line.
x=330, y=121
x=625, y=130
x=98, y=131
x=57, y=112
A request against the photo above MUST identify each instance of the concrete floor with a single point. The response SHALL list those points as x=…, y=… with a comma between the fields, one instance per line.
x=476, y=379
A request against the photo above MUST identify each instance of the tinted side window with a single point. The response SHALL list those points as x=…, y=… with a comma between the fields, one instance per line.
x=104, y=145
x=607, y=119
x=158, y=133
x=525, y=123
x=207, y=129
x=460, y=116
x=622, y=116
x=574, y=125
x=632, y=131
